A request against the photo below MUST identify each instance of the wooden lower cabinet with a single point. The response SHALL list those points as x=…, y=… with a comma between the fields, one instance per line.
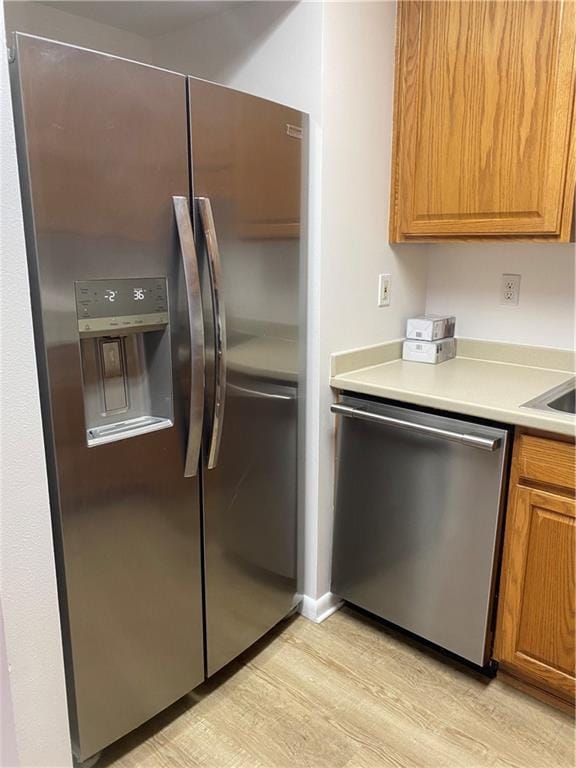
x=535, y=639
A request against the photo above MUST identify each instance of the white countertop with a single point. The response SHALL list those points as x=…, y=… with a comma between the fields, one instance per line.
x=483, y=388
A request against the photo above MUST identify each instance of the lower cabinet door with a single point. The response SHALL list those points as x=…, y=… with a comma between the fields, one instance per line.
x=537, y=619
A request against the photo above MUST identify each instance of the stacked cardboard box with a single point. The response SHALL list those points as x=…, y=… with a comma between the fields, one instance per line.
x=430, y=339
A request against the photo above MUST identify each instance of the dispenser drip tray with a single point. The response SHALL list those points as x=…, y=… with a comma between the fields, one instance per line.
x=108, y=433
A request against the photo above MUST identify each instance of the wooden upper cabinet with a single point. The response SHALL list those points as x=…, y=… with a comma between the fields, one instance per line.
x=483, y=137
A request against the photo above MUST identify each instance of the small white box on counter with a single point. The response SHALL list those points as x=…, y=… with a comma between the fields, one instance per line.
x=429, y=351
x=430, y=327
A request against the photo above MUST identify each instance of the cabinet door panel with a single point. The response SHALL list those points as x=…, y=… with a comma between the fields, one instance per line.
x=537, y=621
x=546, y=626
x=484, y=103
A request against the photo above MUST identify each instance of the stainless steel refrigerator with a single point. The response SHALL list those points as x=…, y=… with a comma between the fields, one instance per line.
x=167, y=275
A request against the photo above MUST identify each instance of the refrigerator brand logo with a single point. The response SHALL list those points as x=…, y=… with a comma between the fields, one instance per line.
x=294, y=131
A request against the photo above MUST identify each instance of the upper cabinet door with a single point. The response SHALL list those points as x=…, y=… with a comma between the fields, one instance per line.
x=483, y=138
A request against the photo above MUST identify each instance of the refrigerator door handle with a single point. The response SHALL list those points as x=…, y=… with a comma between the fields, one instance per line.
x=196, y=323
x=259, y=393
x=215, y=270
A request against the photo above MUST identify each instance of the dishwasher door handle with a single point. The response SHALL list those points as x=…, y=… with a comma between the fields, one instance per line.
x=470, y=439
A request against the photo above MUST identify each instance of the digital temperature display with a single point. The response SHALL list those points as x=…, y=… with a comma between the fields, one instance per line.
x=120, y=303
x=138, y=294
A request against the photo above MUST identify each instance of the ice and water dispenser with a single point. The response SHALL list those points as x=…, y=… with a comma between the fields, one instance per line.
x=126, y=362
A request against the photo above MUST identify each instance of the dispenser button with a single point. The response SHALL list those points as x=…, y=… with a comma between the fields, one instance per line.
x=113, y=375
x=111, y=359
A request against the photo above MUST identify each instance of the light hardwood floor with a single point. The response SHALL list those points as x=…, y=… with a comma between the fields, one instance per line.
x=348, y=693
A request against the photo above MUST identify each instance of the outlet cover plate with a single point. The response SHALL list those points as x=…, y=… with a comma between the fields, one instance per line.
x=510, y=290
x=384, y=289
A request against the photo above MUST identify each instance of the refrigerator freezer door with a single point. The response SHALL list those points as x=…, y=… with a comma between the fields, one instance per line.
x=246, y=176
x=104, y=148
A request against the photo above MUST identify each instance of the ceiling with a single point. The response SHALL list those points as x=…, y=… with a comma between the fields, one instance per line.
x=141, y=17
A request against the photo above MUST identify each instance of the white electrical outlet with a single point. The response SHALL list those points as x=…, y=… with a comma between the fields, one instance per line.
x=384, y=289
x=510, y=290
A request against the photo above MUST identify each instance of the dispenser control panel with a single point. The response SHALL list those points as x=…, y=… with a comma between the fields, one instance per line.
x=131, y=304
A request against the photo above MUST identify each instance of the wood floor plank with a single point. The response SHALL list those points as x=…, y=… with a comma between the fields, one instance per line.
x=349, y=693
x=459, y=697
x=361, y=719
x=276, y=729
x=379, y=723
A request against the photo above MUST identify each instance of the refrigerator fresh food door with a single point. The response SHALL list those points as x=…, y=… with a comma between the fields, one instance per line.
x=103, y=146
x=246, y=177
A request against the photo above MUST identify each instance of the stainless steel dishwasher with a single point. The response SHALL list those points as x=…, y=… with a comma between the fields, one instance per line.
x=418, y=509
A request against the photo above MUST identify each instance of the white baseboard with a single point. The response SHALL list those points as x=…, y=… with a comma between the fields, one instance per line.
x=318, y=610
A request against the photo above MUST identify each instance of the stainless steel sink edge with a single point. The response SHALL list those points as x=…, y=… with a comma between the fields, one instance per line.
x=544, y=401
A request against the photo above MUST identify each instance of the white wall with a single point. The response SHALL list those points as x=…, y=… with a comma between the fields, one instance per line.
x=464, y=279
x=270, y=49
x=45, y=21
x=8, y=748
x=27, y=576
x=357, y=96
